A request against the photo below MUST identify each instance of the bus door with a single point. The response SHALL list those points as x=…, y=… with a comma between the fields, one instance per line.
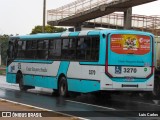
x=129, y=60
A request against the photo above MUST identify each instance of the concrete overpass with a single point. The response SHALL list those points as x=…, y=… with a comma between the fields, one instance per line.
x=77, y=12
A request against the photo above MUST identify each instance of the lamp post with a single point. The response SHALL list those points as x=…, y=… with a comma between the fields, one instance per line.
x=44, y=15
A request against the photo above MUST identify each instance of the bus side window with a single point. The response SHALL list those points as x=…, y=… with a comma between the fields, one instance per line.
x=19, y=54
x=42, y=51
x=65, y=47
x=72, y=49
x=81, y=49
x=55, y=49
x=34, y=49
x=69, y=49
x=95, y=48
x=88, y=48
x=29, y=52
x=15, y=48
x=20, y=45
x=10, y=50
x=45, y=49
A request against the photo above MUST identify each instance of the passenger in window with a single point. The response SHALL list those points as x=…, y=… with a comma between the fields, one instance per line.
x=83, y=47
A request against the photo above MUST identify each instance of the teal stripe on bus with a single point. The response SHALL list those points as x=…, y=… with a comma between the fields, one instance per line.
x=40, y=81
x=83, y=86
x=35, y=61
x=63, y=68
x=11, y=78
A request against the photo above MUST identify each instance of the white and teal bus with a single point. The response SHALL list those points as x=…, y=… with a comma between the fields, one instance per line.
x=83, y=62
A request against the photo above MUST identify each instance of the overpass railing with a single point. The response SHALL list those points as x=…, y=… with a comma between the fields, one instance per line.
x=138, y=21
x=74, y=8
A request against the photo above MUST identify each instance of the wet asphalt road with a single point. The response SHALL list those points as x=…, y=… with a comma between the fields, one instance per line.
x=86, y=106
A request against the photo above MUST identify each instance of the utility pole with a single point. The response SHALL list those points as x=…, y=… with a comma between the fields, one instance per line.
x=44, y=16
x=1, y=54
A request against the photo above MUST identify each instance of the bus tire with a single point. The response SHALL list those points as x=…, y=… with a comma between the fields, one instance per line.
x=156, y=90
x=55, y=93
x=22, y=87
x=63, y=87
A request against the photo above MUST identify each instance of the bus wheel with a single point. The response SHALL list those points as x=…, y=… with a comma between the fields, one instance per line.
x=63, y=87
x=156, y=90
x=55, y=93
x=20, y=81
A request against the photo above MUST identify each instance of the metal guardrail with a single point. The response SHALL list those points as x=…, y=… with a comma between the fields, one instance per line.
x=75, y=8
x=138, y=21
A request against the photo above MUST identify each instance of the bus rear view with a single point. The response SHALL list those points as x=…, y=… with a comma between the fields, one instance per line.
x=130, y=61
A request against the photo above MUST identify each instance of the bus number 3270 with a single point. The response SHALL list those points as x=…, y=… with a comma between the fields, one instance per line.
x=130, y=70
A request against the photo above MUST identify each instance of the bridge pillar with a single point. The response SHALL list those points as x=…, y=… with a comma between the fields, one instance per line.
x=128, y=18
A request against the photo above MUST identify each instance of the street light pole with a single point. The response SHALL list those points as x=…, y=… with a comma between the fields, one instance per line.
x=44, y=15
x=0, y=54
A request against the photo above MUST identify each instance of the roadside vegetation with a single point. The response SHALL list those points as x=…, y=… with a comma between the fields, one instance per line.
x=48, y=29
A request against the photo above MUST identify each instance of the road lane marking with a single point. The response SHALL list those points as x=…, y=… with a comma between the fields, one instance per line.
x=18, y=103
x=91, y=105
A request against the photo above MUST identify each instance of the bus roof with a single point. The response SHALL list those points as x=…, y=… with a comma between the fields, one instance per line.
x=78, y=33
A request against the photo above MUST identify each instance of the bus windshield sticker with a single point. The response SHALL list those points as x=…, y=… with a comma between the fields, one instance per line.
x=130, y=44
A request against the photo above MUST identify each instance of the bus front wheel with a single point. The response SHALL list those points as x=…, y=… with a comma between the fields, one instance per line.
x=22, y=87
x=63, y=87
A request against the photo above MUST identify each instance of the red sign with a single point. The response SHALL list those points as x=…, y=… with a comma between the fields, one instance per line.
x=130, y=44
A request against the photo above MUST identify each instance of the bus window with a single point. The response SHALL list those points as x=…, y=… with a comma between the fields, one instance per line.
x=20, y=45
x=24, y=45
x=81, y=49
x=65, y=47
x=46, y=44
x=34, y=44
x=69, y=49
x=65, y=44
x=42, y=51
x=29, y=52
x=88, y=49
x=72, y=49
x=95, y=48
x=55, y=49
x=21, y=49
x=10, y=50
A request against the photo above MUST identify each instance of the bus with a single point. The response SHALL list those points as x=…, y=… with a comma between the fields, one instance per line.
x=83, y=61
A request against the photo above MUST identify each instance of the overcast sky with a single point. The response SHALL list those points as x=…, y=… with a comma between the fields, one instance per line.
x=20, y=16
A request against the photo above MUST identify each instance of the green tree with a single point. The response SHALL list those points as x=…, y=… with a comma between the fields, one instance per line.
x=3, y=47
x=48, y=29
